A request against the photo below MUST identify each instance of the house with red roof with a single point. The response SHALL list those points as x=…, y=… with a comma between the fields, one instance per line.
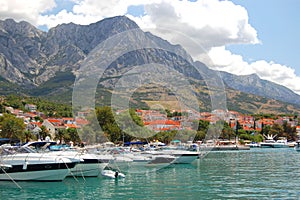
x=53, y=125
x=163, y=125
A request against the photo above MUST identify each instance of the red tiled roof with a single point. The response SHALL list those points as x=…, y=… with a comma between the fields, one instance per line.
x=30, y=114
x=71, y=126
x=164, y=122
x=54, y=120
x=80, y=121
x=39, y=124
x=68, y=119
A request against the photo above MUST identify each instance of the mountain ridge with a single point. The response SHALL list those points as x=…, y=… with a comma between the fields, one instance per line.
x=36, y=60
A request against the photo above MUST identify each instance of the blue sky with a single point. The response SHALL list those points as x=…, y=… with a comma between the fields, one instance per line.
x=238, y=36
x=278, y=29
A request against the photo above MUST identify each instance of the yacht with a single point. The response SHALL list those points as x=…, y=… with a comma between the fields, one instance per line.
x=90, y=165
x=23, y=165
x=271, y=143
x=182, y=155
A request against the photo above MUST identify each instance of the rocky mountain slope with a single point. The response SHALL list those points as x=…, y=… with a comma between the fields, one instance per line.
x=33, y=62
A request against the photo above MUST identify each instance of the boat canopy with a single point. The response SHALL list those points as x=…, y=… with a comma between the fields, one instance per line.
x=135, y=143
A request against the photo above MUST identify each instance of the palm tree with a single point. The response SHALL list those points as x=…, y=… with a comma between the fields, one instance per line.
x=60, y=135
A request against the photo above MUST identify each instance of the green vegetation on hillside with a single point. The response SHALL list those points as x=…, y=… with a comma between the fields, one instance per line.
x=49, y=108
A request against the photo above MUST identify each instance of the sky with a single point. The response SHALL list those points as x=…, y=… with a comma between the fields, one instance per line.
x=238, y=36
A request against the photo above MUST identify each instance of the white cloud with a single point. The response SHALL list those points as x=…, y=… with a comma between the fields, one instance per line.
x=67, y=17
x=89, y=11
x=210, y=23
x=224, y=60
x=28, y=10
x=101, y=8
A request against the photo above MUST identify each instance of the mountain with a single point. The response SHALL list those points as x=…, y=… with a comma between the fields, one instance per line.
x=30, y=57
x=252, y=84
x=37, y=63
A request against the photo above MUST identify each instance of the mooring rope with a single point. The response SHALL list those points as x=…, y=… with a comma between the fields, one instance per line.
x=11, y=178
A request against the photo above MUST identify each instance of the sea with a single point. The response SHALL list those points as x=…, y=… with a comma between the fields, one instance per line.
x=257, y=173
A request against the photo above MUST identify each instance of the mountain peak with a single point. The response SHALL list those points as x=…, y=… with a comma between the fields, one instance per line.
x=30, y=57
x=20, y=28
x=253, y=84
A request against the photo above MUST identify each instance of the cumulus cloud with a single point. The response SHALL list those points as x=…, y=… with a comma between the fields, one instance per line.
x=66, y=17
x=224, y=60
x=210, y=23
x=21, y=10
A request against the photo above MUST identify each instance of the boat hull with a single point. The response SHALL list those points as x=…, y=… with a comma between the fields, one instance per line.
x=42, y=172
x=87, y=169
x=274, y=145
x=185, y=158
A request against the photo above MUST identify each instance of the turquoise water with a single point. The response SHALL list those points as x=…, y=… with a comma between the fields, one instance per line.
x=253, y=174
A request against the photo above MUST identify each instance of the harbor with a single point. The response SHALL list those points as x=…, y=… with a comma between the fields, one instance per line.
x=259, y=173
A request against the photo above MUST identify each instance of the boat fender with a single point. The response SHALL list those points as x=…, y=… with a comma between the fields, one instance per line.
x=116, y=174
x=25, y=165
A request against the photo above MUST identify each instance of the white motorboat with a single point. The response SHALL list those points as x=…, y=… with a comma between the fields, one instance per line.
x=274, y=144
x=115, y=158
x=90, y=164
x=159, y=160
x=112, y=174
x=182, y=156
x=34, y=166
x=252, y=145
x=271, y=143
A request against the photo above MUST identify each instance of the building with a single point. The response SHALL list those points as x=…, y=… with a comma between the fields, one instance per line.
x=31, y=107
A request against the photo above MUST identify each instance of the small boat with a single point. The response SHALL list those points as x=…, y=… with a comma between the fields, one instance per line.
x=297, y=146
x=252, y=145
x=112, y=174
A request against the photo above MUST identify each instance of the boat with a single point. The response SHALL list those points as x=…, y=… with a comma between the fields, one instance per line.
x=90, y=165
x=23, y=165
x=112, y=174
x=115, y=158
x=181, y=156
x=252, y=145
x=297, y=146
x=271, y=143
x=161, y=160
x=183, y=153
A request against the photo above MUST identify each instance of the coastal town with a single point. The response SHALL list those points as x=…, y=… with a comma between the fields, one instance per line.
x=38, y=125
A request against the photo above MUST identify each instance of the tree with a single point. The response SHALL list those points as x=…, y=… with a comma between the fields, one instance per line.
x=44, y=132
x=200, y=135
x=2, y=108
x=132, y=126
x=289, y=132
x=88, y=134
x=276, y=129
x=12, y=127
x=72, y=135
x=60, y=134
x=108, y=124
x=265, y=130
x=92, y=133
x=27, y=136
x=227, y=131
x=203, y=125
